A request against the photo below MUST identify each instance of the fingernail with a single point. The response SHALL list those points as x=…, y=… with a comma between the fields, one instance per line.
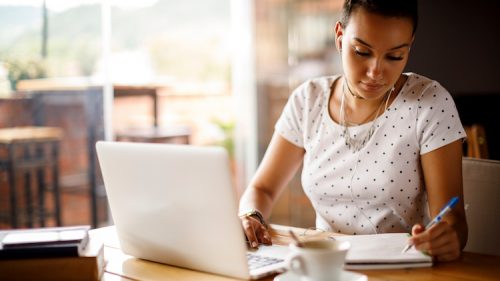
x=254, y=244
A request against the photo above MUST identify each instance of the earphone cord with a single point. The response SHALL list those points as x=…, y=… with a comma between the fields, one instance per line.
x=351, y=187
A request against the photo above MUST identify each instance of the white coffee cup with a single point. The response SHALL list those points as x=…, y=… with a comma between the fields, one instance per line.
x=318, y=260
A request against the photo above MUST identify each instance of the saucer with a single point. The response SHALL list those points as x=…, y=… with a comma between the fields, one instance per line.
x=344, y=276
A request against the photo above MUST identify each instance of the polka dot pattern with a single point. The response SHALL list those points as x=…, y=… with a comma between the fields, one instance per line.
x=381, y=187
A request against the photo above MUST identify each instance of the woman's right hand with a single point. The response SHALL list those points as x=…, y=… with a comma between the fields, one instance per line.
x=279, y=165
x=256, y=232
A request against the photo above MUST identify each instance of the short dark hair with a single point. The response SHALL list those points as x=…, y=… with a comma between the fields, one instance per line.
x=389, y=8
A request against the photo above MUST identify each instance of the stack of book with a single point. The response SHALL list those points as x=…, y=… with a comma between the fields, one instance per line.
x=57, y=253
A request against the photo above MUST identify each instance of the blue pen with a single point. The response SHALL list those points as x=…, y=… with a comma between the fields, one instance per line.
x=438, y=218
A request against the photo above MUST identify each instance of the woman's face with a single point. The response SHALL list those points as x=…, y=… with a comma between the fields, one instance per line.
x=374, y=53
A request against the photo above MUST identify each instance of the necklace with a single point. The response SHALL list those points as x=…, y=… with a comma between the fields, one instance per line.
x=353, y=144
x=350, y=91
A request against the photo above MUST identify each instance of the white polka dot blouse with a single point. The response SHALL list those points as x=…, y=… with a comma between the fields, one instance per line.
x=379, y=188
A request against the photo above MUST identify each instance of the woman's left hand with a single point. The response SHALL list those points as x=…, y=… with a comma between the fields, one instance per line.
x=440, y=241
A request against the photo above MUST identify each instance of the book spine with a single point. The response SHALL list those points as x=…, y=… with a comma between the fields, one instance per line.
x=54, y=269
x=68, y=250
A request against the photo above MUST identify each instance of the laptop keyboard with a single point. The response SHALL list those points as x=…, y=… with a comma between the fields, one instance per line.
x=257, y=261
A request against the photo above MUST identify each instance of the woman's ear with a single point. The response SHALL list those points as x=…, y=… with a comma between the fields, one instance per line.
x=339, y=33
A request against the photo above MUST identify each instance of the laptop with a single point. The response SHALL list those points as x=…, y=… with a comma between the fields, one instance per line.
x=175, y=204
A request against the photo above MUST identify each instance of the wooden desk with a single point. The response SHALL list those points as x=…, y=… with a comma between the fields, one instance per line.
x=172, y=134
x=123, y=267
x=144, y=90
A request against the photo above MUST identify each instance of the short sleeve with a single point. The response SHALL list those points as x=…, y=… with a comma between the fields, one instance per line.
x=438, y=122
x=290, y=123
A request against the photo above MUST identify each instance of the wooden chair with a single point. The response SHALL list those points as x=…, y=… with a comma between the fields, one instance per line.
x=31, y=152
x=476, y=145
x=481, y=180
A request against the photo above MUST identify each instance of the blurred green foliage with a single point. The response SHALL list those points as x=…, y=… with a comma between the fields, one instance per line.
x=21, y=69
x=228, y=142
x=188, y=41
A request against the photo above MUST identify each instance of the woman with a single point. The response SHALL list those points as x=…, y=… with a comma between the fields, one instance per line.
x=381, y=149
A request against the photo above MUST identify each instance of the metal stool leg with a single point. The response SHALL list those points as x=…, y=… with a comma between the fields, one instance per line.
x=55, y=179
x=41, y=196
x=12, y=186
x=27, y=187
x=41, y=188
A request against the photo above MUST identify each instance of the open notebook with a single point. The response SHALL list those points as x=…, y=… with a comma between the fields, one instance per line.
x=382, y=251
